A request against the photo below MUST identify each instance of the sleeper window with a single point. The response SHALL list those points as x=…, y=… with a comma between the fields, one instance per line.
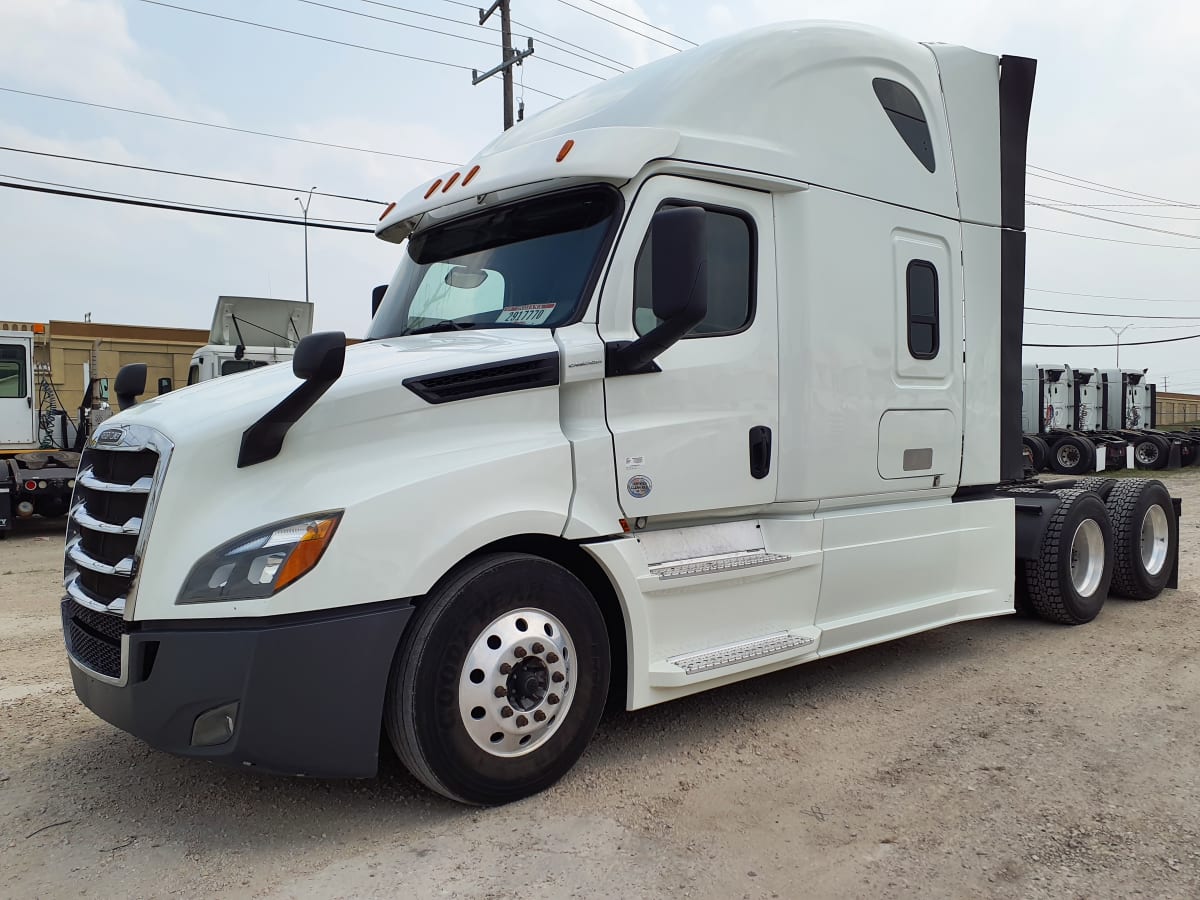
x=923, y=327
x=731, y=252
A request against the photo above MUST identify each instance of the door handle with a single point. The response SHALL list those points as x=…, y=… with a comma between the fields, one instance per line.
x=760, y=451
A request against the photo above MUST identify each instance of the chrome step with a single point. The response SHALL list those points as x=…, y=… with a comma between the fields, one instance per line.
x=741, y=652
x=710, y=565
x=88, y=479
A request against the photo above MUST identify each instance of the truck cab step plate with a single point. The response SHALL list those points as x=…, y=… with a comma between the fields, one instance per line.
x=714, y=662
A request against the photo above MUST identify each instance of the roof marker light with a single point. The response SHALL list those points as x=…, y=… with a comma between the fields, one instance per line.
x=566, y=148
x=390, y=207
x=450, y=182
x=470, y=175
x=433, y=187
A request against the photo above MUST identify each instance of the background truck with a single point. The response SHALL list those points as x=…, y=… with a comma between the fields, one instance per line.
x=250, y=332
x=1061, y=416
x=592, y=423
x=33, y=480
x=1130, y=411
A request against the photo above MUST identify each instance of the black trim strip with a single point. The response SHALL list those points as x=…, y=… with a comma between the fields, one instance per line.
x=1012, y=314
x=1016, y=96
x=486, y=379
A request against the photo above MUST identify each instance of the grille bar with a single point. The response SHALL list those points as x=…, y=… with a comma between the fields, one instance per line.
x=76, y=554
x=90, y=522
x=76, y=592
x=88, y=479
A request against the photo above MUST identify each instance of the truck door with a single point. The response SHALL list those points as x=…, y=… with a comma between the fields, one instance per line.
x=16, y=392
x=701, y=434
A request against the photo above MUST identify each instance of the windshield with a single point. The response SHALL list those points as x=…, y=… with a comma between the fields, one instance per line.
x=528, y=264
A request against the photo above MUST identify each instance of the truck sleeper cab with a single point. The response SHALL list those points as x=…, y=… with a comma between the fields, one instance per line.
x=598, y=450
x=1062, y=419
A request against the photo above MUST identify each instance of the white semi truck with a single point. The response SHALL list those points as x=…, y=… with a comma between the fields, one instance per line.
x=598, y=453
x=248, y=333
x=35, y=479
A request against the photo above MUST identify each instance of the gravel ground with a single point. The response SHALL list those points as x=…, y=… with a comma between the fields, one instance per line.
x=1005, y=758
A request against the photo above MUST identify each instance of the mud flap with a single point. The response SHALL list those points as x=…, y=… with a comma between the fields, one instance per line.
x=1173, y=581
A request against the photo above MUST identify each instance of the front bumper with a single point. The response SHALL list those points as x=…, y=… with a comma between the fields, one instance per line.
x=309, y=689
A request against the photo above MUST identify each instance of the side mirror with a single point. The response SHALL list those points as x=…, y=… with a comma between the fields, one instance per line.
x=320, y=357
x=130, y=384
x=318, y=360
x=679, y=286
x=377, y=293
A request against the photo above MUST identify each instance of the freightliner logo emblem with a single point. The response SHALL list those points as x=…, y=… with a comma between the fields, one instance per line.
x=110, y=436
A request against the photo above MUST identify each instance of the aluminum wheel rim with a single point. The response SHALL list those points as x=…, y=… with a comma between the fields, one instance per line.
x=1146, y=452
x=515, y=686
x=1068, y=456
x=1087, y=557
x=1155, y=536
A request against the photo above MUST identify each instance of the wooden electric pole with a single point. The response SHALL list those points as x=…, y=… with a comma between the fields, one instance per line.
x=508, y=56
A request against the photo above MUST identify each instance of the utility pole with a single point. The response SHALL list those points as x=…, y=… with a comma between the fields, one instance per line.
x=1118, y=333
x=304, y=204
x=508, y=57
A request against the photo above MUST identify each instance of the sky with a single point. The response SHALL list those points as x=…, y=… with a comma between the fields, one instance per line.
x=1115, y=104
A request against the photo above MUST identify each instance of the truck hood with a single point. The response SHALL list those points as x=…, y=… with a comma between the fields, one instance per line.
x=371, y=386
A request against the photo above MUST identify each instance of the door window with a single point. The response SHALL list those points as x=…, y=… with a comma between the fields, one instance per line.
x=730, y=265
x=14, y=376
x=923, y=325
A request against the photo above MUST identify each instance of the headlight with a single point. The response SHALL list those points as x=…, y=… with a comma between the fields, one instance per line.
x=262, y=562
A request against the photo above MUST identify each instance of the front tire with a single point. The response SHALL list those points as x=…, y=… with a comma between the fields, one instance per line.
x=499, y=684
x=1069, y=580
x=1145, y=537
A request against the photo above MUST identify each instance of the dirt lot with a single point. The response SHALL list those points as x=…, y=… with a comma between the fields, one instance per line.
x=1004, y=758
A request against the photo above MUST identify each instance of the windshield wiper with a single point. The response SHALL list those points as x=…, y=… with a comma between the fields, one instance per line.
x=444, y=325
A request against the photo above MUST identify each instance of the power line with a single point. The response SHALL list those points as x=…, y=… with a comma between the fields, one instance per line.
x=1095, y=237
x=1127, y=195
x=259, y=184
x=1103, y=185
x=1077, y=312
x=1192, y=324
x=280, y=137
x=351, y=12
x=195, y=206
x=227, y=214
x=626, y=15
x=1075, y=212
x=474, y=8
x=548, y=39
x=1109, y=296
x=325, y=40
x=1189, y=337
x=1111, y=207
x=313, y=37
x=596, y=15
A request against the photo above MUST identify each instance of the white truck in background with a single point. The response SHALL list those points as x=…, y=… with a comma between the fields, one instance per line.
x=593, y=422
x=1062, y=420
x=248, y=333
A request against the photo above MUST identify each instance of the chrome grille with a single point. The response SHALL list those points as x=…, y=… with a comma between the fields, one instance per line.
x=114, y=499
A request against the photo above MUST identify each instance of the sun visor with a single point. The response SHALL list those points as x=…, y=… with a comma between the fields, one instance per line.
x=260, y=322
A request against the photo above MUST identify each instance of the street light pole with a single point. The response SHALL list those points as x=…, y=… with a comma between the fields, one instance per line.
x=304, y=204
x=1118, y=333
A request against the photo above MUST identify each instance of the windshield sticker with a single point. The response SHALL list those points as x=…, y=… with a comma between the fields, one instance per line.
x=534, y=314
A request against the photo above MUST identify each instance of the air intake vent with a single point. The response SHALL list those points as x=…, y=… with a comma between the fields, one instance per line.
x=481, y=381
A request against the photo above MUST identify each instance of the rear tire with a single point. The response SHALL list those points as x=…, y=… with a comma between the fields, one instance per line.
x=1068, y=582
x=506, y=624
x=1072, y=455
x=1036, y=452
x=1150, y=452
x=1097, y=484
x=1145, y=538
